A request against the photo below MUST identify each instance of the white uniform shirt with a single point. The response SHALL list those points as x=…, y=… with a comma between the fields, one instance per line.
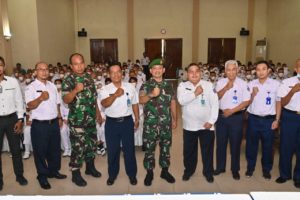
x=196, y=111
x=47, y=110
x=11, y=99
x=122, y=106
x=239, y=90
x=285, y=88
x=264, y=103
x=145, y=61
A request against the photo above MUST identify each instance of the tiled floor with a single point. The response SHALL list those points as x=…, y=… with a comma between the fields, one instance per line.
x=96, y=186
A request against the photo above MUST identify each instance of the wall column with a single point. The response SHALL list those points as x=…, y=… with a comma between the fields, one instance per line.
x=195, y=31
x=130, y=29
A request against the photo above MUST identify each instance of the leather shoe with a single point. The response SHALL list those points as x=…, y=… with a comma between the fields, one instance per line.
x=281, y=180
x=297, y=183
x=186, y=177
x=236, y=176
x=133, y=180
x=110, y=181
x=57, y=176
x=217, y=172
x=1, y=184
x=21, y=180
x=249, y=173
x=209, y=178
x=267, y=175
x=44, y=184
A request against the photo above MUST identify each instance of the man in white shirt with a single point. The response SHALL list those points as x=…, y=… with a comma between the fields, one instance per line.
x=200, y=109
x=120, y=101
x=145, y=63
x=43, y=100
x=264, y=114
x=234, y=97
x=289, y=92
x=11, y=121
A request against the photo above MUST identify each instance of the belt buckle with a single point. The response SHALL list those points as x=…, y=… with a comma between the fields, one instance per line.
x=120, y=119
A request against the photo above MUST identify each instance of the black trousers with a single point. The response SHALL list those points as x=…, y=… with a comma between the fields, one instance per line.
x=190, y=151
x=45, y=138
x=7, y=125
x=119, y=134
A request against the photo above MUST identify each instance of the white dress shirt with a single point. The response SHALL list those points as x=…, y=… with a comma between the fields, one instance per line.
x=122, y=106
x=264, y=103
x=239, y=90
x=11, y=99
x=47, y=110
x=196, y=111
x=285, y=88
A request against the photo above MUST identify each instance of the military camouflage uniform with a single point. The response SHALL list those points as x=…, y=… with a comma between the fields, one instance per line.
x=157, y=123
x=82, y=119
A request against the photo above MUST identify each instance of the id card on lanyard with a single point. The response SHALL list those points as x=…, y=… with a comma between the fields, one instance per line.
x=235, y=98
x=268, y=99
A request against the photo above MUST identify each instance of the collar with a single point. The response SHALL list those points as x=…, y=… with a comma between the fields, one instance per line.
x=4, y=78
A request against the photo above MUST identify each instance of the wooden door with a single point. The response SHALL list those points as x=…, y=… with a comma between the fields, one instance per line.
x=172, y=54
x=104, y=50
x=220, y=50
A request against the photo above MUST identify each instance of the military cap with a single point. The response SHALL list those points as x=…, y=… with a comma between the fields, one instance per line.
x=157, y=61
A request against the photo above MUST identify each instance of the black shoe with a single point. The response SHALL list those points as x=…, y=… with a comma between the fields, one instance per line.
x=236, y=176
x=21, y=180
x=209, y=178
x=186, y=177
x=167, y=176
x=281, y=180
x=217, y=172
x=1, y=184
x=133, y=180
x=91, y=170
x=110, y=181
x=44, y=183
x=249, y=173
x=77, y=178
x=297, y=183
x=57, y=175
x=149, y=178
x=267, y=175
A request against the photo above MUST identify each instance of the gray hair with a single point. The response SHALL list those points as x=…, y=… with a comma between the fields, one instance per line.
x=231, y=62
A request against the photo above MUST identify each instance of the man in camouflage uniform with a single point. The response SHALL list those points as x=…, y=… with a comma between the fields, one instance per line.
x=160, y=117
x=80, y=94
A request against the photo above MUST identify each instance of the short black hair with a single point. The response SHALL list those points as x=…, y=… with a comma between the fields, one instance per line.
x=263, y=62
x=132, y=79
x=192, y=64
x=75, y=54
x=2, y=60
x=115, y=64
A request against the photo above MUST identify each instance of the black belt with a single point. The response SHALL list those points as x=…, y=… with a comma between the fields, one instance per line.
x=50, y=121
x=10, y=115
x=264, y=117
x=236, y=113
x=119, y=119
x=292, y=111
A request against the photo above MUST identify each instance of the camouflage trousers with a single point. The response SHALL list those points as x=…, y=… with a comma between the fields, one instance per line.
x=151, y=135
x=83, y=144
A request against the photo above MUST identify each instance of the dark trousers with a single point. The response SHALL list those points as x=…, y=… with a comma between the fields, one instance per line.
x=117, y=134
x=146, y=71
x=229, y=129
x=7, y=125
x=259, y=129
x=289, y=144
x=45, y=138
x=190, y=151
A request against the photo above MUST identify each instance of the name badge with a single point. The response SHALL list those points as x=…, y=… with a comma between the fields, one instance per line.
x=235, y=98
x=202, y=100
x=268, y=99
x=128, y=100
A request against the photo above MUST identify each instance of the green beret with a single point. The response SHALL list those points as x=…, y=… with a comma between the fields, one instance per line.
x=157, y=61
